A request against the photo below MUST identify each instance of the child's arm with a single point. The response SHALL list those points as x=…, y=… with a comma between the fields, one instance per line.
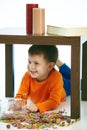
x=23, y=91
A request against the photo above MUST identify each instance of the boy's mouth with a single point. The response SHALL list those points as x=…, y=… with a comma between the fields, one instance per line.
x=33, y=72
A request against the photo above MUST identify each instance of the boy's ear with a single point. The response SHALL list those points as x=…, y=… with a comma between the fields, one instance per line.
x=51, y=65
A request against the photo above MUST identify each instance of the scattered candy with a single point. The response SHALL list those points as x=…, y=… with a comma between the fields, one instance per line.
x=30, y=120
x=8, y=126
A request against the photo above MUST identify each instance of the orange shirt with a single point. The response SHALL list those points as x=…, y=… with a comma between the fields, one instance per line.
x=47, y=94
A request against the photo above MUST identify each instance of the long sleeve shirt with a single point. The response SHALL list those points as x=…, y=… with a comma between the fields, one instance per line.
x=66, y=74
x=47, y=94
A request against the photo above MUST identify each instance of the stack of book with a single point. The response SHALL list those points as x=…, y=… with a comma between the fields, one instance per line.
x=67, y=31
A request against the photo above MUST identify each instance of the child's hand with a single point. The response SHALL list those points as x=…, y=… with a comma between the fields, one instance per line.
x=59, y=63
x=31, y=107
x=16, y=105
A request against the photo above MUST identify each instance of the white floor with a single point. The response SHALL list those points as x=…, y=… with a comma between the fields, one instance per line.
x=82, y=124
x=79, y=125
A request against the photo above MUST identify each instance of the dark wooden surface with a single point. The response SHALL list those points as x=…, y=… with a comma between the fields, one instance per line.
x=84, y=71
x=9, y=72
x=74, y=42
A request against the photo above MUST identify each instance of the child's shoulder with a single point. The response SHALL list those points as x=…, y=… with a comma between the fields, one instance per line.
x=55, y=73
x=55, y=77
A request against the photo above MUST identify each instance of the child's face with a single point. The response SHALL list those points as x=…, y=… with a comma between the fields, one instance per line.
x=39, y=67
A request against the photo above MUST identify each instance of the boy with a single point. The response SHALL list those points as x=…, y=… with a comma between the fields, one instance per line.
x=42, y=84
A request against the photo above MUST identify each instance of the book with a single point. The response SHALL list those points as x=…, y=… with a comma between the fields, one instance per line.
x=67, y=31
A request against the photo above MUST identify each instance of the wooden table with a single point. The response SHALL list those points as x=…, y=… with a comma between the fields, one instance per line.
x=18, y=36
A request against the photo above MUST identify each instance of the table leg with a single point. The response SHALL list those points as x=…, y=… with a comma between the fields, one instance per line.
x=75, y=81
x=9, y=78
x=84, y=71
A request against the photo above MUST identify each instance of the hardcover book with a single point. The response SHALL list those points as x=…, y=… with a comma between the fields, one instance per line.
x=67, y=31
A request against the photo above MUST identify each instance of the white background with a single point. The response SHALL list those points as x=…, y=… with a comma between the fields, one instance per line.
x=57, y=12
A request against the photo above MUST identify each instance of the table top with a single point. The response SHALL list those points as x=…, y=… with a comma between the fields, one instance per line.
x=18, y=35
x=22, y=31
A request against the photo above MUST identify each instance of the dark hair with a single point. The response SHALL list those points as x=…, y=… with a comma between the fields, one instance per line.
x=50, y=52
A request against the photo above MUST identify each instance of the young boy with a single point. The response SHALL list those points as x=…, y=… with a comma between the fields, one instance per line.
x=42, y=84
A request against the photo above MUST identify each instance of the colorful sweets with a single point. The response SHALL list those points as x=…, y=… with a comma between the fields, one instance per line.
x=30, y=120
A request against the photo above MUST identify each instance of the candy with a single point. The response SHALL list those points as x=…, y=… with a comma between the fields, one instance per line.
x=30, y=120
x=8, y=126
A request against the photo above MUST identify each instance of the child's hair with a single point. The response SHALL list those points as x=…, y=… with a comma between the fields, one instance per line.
x=50, y=52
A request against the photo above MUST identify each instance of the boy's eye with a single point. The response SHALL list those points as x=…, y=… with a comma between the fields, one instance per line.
x=36, y=63
x=29, y=62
